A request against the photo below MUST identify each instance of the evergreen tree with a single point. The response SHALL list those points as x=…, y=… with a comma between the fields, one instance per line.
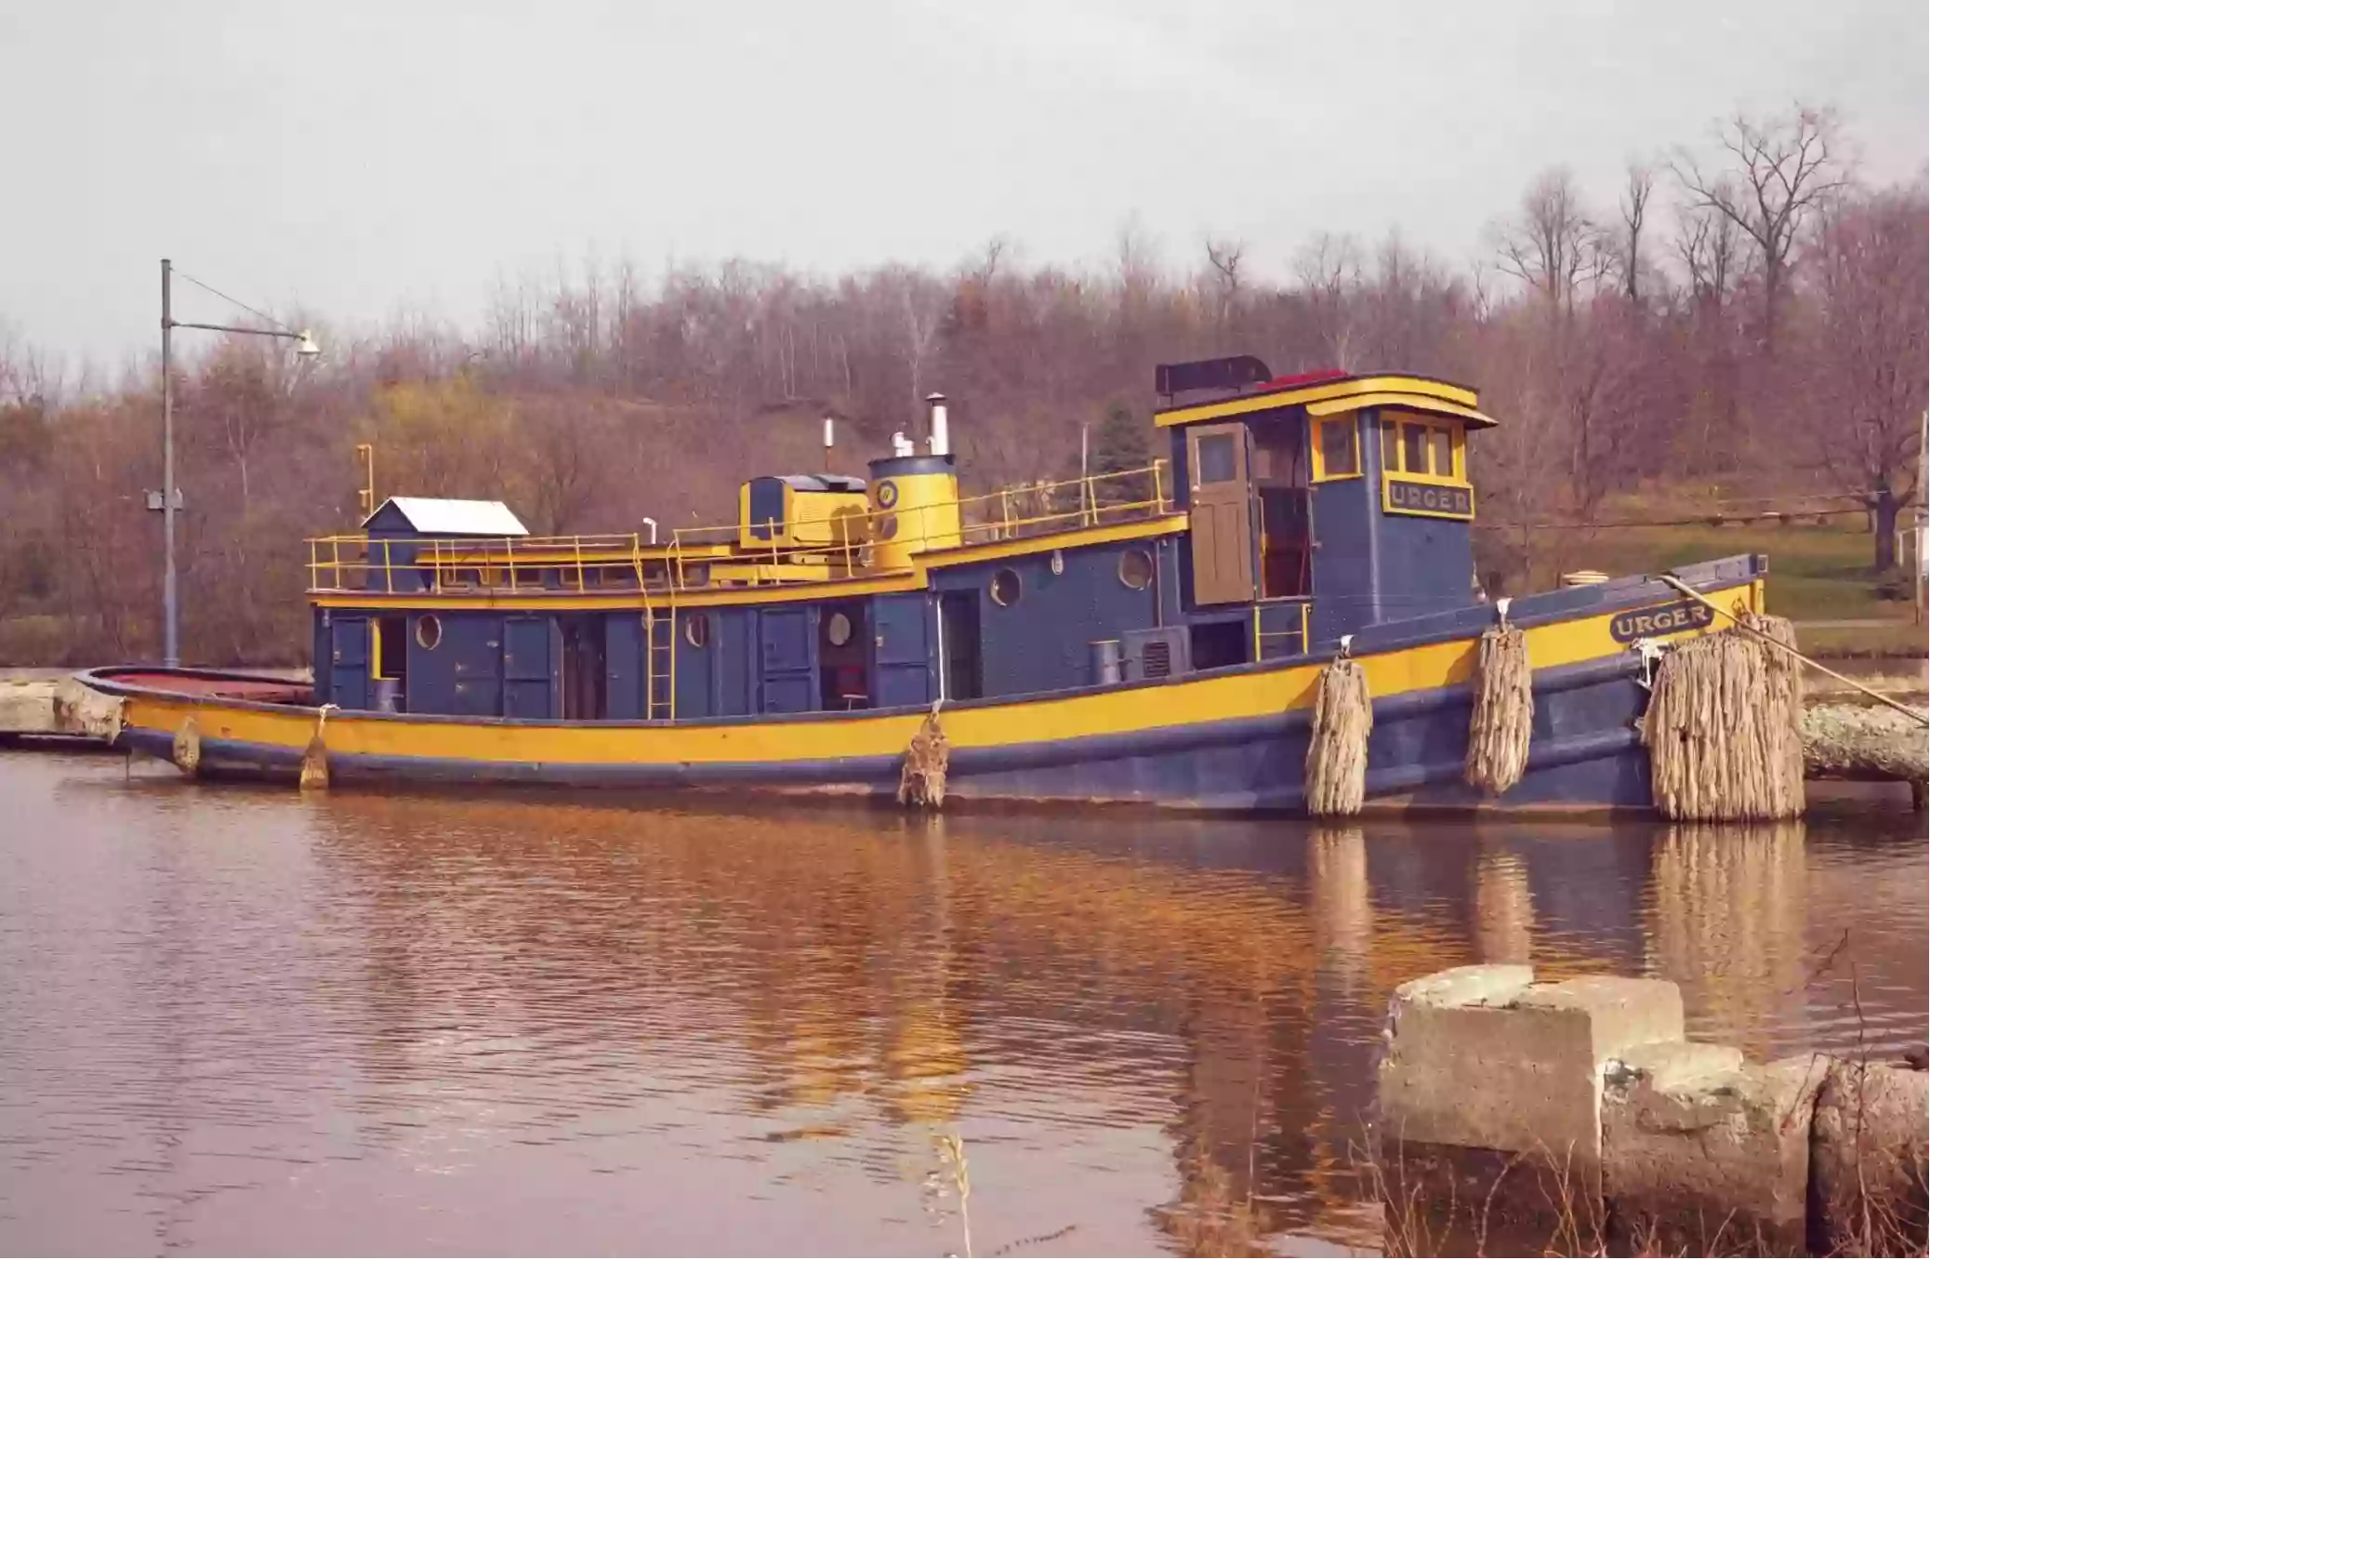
x=1119, y=442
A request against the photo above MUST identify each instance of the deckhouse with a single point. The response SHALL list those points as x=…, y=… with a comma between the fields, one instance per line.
x=1290, y=512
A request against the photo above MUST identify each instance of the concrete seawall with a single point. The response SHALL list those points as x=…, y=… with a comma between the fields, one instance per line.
x=40, y=705
x=1848, y=741
x=1579, y=1105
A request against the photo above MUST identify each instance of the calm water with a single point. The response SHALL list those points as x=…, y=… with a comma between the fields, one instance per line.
x=239, y=1020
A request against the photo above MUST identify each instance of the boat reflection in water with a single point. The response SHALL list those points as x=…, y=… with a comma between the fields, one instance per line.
x=366, y=1022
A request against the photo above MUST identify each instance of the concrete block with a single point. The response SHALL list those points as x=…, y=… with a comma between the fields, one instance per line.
x=28, y=706
x=1704, y=1155
x=1682, y=1069
x=87, y=713
x=1518, y=1080
x=1466, y=986
x=1869, y=1157
x=1481, y=1057
x=1625, y=1012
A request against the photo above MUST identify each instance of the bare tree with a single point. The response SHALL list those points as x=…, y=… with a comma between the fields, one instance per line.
x=1549, y=245
x=1626, y=237
x=1224, y=255
x=921, y=312
x=1329, y=270
x=1706, y=245
x=1775, y=175
x=235, y=388
x=1863, y=403
x=28, y=376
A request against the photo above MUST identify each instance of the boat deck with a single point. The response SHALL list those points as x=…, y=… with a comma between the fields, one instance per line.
x=267, y=689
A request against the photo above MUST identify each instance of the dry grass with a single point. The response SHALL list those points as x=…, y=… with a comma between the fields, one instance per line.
x=1889, y=1218
x=1211, y=1218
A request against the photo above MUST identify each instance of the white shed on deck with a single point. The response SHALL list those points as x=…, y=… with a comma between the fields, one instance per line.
x=438, y=517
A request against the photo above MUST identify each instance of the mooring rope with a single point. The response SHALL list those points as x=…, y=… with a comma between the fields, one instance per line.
x=1717, y=607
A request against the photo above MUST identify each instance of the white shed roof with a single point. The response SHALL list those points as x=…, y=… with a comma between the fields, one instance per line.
x=438, y=517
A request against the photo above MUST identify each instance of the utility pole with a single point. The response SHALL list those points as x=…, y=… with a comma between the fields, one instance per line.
x=1925, y=515
x=166, y=334
x=168, y=499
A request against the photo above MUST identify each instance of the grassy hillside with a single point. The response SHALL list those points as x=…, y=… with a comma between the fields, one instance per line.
x=1816, y=573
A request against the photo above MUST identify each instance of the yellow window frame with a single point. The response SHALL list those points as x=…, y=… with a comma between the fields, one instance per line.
x=1354, y=442
x=1392, y=442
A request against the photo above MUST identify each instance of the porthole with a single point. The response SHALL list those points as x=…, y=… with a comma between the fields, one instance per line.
x=699, y=629
x=838, y=628
x=1135, y=568
x=426, y=633
x=1007, y=586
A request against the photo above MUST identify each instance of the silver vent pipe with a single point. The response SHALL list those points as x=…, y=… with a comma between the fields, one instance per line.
x=938, y=435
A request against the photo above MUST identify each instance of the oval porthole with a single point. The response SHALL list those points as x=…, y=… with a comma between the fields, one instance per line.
x=699, y=630
x=426, y=631
x=838, y=628
x=1007, y=586
x=1057, y=563
x=1135, y=569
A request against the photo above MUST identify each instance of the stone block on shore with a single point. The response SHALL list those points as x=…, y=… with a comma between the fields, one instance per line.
x=1870, y=1160
x=1704, y=1153
x=1481, y=1057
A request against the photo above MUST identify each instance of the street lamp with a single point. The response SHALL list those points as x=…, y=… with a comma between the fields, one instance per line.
x=167, y=498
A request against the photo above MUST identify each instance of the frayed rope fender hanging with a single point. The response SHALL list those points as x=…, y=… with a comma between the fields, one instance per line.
x=314, y=770
x=926, y=768
x=1725, y=727
x=1502, y=705
x=1341, y=744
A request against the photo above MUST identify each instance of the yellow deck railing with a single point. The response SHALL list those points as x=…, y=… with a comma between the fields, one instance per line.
x=631, y=565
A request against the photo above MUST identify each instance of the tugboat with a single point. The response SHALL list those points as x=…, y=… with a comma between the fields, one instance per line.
x=1158, y=636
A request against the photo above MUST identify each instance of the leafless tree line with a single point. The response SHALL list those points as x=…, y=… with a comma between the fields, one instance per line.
x=1748, y=306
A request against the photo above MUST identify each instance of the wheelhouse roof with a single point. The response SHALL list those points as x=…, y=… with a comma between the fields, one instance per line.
x=1333, y=393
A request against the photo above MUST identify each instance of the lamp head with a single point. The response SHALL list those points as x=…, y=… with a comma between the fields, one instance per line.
x=307, y=348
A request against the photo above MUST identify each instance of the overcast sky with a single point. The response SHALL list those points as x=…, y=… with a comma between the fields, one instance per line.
x=363, y=160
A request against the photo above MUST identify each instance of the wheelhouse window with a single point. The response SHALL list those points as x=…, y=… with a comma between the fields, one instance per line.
x=1334, y=448
x=1422, y=447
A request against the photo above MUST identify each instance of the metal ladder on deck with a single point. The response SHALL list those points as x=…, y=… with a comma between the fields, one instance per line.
x=660, y=639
